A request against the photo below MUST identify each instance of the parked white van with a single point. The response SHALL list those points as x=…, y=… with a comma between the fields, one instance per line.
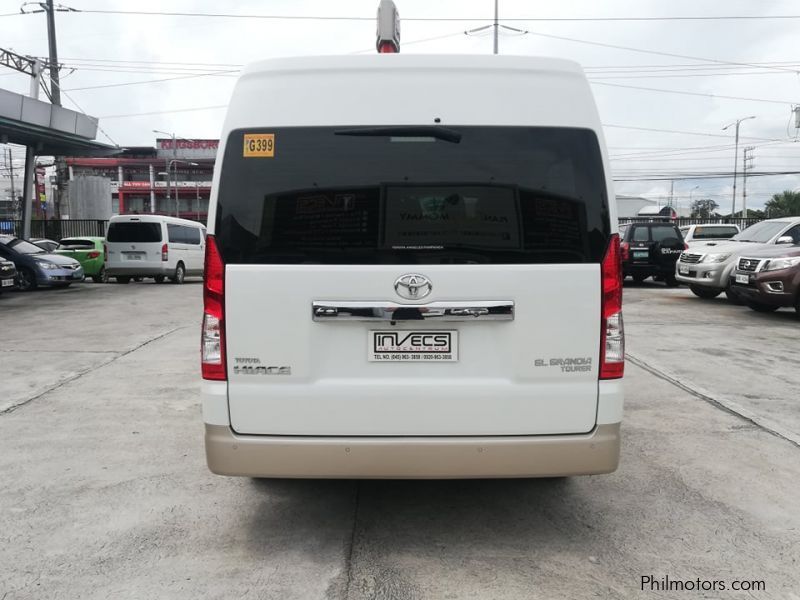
x=154, y=246
x=412, y=271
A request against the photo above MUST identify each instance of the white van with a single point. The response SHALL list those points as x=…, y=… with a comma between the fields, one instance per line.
x=154, y=246
x=412, y=271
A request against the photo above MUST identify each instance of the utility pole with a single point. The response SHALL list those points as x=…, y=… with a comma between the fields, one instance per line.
x=735, y=159
x=55, y=88
x=748, y=164
x=496, y=25
x=13, y=189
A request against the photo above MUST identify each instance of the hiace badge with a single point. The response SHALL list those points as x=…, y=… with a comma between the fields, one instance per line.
x=412, y=346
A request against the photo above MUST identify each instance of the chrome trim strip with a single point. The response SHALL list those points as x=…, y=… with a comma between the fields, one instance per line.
x=477, y=310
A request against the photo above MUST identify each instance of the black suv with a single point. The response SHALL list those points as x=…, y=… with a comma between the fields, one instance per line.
x=651, y=250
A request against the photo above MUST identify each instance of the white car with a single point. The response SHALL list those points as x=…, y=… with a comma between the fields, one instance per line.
x=707, y=267
x=710, y=232
x=412, y=271
x=154, y=246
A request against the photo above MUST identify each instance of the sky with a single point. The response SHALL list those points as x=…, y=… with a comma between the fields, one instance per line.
x=723, y=69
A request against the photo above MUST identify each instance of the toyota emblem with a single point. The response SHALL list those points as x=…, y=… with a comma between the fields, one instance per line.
x=413, y=286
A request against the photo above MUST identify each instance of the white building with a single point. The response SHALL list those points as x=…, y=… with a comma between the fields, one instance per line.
x=629, y=206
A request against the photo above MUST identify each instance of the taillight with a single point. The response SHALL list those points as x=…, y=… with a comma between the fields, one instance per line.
x=612, y=334
x=212, y=346
x=93, y=254
x=625, y=247
x=105, y=252
x=164, y=253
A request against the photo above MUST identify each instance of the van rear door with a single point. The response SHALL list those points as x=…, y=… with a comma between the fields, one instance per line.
x=135, y=244
x=412, y=280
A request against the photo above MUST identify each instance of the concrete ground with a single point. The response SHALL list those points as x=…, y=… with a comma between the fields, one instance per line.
x=105, y=493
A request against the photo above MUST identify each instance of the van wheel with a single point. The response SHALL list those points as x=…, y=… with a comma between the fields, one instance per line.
x=101, y=277
x=180, y=274
x=704, y=292
x=123, y=279
x=158, y=279
x=762, y=308
x=27, y=279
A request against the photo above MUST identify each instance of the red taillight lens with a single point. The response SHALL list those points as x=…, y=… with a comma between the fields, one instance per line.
x=612, y=334
x=212, y=345
x=164, y=253
x=625, y=248
x=105, y=252
x=93, y=254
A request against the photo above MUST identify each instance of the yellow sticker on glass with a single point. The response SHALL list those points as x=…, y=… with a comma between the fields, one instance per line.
x=259, y=145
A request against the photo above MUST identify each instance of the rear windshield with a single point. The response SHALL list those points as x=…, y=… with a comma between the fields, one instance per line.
x=75, y=244
x=23, y=247
x=413, y=195
x=714, y=233
x=659, y=234
x=131, y=231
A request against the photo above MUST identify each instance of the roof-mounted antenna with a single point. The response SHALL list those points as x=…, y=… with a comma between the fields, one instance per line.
x=388, y=41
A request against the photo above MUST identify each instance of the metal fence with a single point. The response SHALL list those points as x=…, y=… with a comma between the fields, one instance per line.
x=682, y=221
x=55, y=230
x=58, y=229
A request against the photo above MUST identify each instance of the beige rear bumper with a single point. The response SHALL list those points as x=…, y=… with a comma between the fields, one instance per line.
x=412, y=457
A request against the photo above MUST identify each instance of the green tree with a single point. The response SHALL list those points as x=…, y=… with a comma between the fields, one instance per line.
x=703, y=208
x=785, y=204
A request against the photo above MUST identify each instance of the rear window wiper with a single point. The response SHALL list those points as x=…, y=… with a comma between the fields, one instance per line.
x=440, y=133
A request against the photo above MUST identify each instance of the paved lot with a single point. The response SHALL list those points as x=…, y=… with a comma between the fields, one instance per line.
x=105, y=493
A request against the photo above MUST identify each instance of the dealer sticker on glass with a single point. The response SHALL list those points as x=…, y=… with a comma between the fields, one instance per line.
x=259, y=145
x=399, y=345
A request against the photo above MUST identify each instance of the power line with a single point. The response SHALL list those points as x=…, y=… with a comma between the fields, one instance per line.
x=644, y=51
x=687, y=93
x=148, y=81
x=729, y=74
x=477, y=19
x=677, y=131
x=163, y=112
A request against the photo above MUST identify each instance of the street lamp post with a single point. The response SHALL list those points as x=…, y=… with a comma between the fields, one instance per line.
x=735, y=159
x=174, y=155
x=168, y=174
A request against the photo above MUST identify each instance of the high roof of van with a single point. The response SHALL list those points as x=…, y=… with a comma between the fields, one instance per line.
x=400, y=89
x=153, y=218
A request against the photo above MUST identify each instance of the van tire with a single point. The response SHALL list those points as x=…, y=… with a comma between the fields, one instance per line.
x=180, y=274
x=704, y=292
x=159, y=279
x=123, y=279
x=101, y=277
x=26, y=279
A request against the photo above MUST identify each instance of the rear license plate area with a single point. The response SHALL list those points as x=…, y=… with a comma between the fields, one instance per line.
x=404, y=345
x=641, y=254
x=133, y=255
